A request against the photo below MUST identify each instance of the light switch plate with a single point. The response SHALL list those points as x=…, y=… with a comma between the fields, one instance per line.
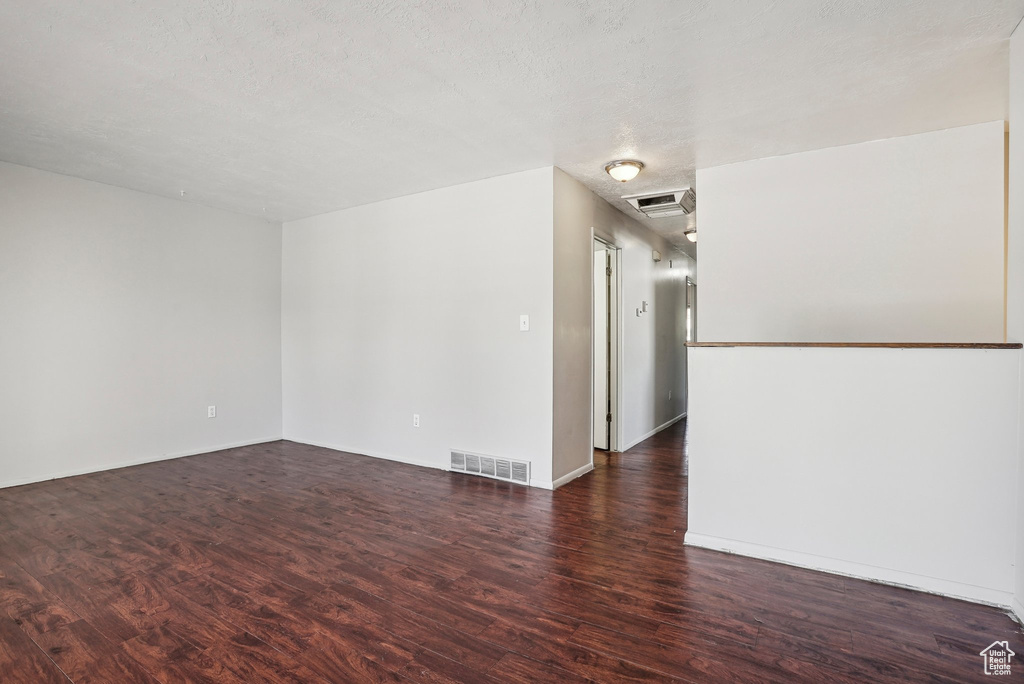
x=524, y=323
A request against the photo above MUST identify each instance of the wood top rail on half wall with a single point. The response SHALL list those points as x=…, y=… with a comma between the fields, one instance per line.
x=866, y=345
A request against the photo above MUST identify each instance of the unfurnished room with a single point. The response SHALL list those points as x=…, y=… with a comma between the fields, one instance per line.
x=511, y=341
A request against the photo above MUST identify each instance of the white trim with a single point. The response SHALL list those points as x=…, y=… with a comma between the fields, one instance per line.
x=1018, y=609
x=133, y=462
x=617, y=337
x=655, y=431
x=371, y=454
x=541, y=484
x=834, y=566
x=617, y=358
x=569, y=477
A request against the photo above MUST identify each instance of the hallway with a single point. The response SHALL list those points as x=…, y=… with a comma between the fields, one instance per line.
x=295, y=563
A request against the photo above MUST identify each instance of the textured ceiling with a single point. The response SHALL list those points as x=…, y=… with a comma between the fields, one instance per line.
x=298, y=107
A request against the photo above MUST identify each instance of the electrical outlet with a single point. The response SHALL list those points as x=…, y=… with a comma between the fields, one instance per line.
x=211, y=411
x=415, y=420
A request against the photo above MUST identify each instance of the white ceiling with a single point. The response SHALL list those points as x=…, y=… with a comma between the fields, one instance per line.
x=296, y=107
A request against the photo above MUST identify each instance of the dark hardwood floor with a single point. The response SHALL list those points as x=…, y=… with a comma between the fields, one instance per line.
x=283, y=562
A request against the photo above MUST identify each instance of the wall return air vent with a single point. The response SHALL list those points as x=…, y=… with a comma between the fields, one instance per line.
x=490, y=466
x=662, y=204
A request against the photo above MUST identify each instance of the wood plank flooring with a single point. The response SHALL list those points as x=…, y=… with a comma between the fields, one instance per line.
x=284, y=562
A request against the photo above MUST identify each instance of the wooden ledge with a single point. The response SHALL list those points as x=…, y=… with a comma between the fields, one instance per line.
x=866, y=345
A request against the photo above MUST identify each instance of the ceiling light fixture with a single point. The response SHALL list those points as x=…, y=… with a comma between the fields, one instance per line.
x=691, y=235
x=624, y=170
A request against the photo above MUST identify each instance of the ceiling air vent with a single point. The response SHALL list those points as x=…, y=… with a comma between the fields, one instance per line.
x=662, y=204
x=489, y=466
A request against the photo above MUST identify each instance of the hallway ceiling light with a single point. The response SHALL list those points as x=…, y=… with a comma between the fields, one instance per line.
x=624, y=170
x=691, y=235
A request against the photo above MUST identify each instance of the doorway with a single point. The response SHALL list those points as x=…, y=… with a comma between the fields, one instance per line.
x=606, y=338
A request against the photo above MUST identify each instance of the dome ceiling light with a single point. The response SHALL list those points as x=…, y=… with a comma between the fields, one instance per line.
x=624, y=170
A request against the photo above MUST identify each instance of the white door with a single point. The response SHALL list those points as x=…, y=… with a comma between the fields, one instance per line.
x=601, y=389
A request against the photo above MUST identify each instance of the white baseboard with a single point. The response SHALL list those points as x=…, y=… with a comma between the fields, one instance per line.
x=569, y=477
x=367, y=452
x=1018, y=609
x=540, y=484
x=654, y=432
x=134, y=462
x=907, y=580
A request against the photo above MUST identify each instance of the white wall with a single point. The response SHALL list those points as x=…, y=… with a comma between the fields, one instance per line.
x=858, y=461
x=412, y=305
x=1015, y=274
x=896, y=240
x=123, y=316
x=653, y=345
x=889, y=464
x=132, y=313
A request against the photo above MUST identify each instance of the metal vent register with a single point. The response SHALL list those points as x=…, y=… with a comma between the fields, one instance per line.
x=490, y=466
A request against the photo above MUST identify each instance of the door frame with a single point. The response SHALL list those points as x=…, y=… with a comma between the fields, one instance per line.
x=690, y=307
x=615, y=339
x=690, y=312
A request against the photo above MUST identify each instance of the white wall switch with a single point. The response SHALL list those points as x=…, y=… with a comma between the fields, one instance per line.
x=524, y=323
x=670, y=394
x=211, y=411
x=415, y=420
x=644, y=307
